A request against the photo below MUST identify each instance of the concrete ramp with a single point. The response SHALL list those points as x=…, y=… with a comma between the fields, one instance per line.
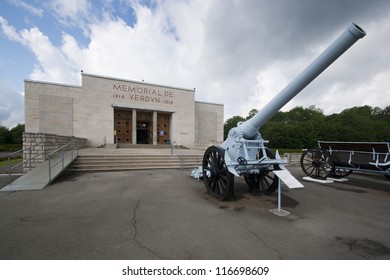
x=40, y=176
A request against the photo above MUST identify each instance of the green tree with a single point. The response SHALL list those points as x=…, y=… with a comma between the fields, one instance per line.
x=303, y=127
x=17, y=134
x=251, y=114
x=365, y=123
x=298, y=128
x=385, y=114
x=5, y=135
x=230, y=123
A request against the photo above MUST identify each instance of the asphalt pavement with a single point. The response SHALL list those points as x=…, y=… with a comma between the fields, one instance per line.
x=166, y=214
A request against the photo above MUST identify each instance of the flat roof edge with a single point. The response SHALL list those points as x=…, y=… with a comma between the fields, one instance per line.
x=51, y=83
x=133, y=81
x=210, y=103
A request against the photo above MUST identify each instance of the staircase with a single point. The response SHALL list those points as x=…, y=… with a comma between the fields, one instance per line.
x=133, y=159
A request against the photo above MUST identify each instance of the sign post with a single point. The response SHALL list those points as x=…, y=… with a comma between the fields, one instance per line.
x=292, y=183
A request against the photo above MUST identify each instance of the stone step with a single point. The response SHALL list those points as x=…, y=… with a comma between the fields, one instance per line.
x=149, y=160
x=112, y=164
x=121, y=162
x=98, y=157
x=124, y=168
x=135, y=158
x=143, y=146
x=106, y=168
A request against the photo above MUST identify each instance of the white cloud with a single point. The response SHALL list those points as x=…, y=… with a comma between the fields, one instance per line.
x=374, y=92
x=52, y=65
x=10, y=31
x=150, y=50
x=71, y=12
x=11, y=106
x=31, y=9
x=237, y=53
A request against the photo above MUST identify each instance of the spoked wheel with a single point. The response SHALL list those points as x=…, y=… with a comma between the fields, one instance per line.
x=266, y=181
x=217, y=178
x=317, y=163
x=253, y=182
x=340, y=172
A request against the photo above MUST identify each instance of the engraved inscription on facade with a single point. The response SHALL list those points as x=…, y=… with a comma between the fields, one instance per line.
x=142, y=94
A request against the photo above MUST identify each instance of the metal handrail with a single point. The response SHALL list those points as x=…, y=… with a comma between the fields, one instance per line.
x=175, y=149
x=61, y=148
x=63, y=156
x=10, y=169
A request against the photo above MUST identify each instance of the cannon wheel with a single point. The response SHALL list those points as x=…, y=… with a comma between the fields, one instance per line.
x=341, y=173
x=317, y=163
x=253, y=182
x=265, y=182
x=217, y=178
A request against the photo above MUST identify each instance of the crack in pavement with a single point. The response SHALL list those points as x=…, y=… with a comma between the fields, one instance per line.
x=262, y=241
x=139, y=243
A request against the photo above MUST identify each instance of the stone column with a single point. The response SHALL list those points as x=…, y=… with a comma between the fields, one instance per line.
x=154, y=127
x=134, y=126
x=171, y=128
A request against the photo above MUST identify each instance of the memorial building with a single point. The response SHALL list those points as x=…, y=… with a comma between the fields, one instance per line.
x=107, y=110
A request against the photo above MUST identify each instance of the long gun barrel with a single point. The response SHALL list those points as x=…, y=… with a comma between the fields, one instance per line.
x=244, y=153
x=336, y=49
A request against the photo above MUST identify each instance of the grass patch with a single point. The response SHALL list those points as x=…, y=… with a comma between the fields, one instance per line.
x=13, y=161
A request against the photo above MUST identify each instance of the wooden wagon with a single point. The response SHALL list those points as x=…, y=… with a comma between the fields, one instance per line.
x=339, y=159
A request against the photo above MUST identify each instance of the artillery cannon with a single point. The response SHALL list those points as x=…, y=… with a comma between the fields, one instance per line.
x=243, y=153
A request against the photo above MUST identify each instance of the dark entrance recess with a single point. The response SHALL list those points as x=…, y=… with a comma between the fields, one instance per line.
x=144, y=127
x=143, y=133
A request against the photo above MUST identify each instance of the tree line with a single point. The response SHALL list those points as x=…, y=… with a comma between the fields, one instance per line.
x=11, y=139
x=302, y=127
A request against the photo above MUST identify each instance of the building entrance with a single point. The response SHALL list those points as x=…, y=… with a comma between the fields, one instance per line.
x=144, y=127
x=143, y=133
x=133, y=126
x=122, y=126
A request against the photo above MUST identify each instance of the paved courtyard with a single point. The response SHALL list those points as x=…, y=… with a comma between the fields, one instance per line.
x=166, y=214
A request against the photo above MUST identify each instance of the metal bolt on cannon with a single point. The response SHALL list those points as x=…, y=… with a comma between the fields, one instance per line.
x=244, y=152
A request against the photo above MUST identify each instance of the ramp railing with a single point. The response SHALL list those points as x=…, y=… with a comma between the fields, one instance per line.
x=64, y=156
x=175, y=149
x=25, y=162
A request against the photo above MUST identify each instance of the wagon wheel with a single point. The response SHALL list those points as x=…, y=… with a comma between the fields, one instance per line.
x=217, y=178
x=265, y=182
x=253, y=182
x=340, y=173
x=317, y=163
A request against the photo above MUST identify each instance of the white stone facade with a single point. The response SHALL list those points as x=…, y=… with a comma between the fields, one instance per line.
x=87, y=111
x=208, y=124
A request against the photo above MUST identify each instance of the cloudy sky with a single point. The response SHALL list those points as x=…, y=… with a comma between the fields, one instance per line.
x=236, y=53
